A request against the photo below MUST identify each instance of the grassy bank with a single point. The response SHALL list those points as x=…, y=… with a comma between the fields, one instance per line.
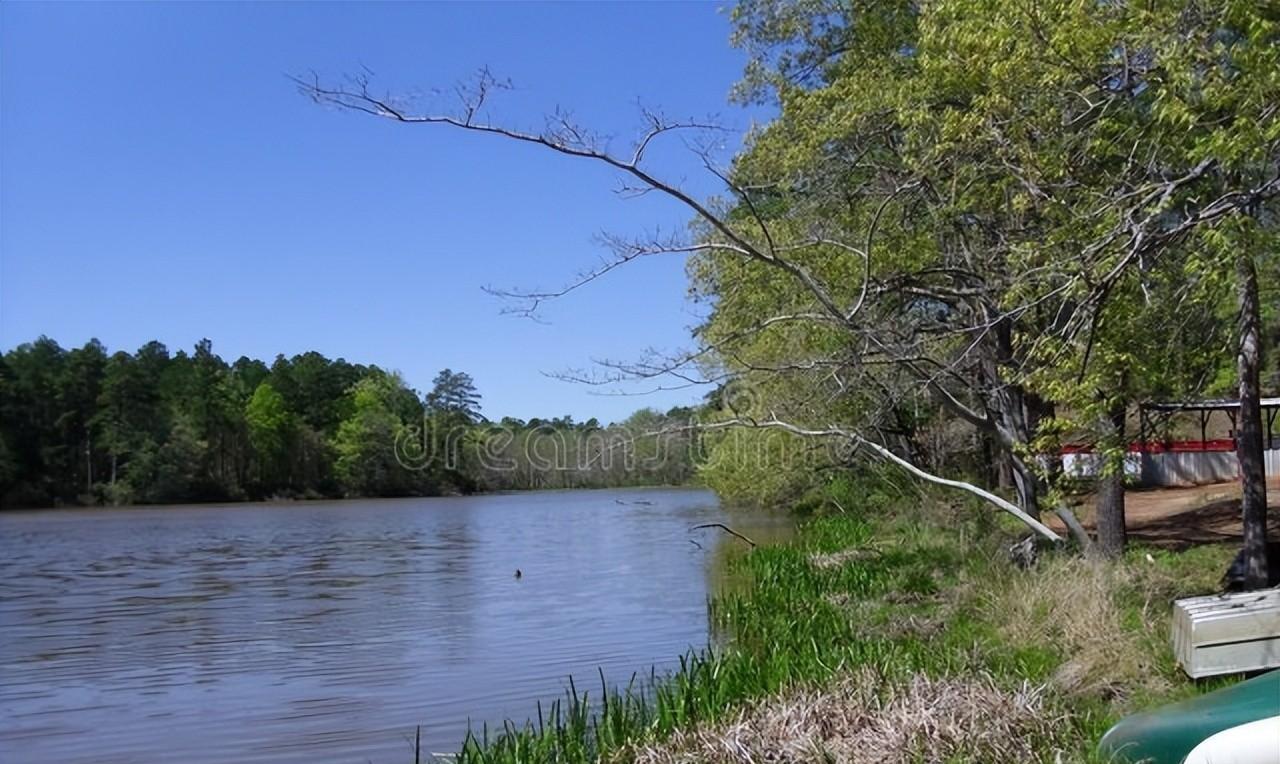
x=910, y=639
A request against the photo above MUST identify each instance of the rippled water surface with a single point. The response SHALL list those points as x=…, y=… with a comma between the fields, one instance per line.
x=324, y=632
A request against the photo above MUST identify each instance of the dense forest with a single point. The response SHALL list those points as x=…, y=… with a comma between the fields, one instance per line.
x=86, y=426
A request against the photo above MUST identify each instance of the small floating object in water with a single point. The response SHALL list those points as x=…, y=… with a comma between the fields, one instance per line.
x=519, y=574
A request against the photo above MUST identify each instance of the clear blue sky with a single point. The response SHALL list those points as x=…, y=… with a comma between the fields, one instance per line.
x=160, y=178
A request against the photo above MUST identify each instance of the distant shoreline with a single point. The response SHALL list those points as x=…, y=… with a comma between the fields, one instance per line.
x=283, y=501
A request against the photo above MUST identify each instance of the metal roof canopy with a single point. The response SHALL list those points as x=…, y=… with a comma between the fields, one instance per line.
x=1204, y=409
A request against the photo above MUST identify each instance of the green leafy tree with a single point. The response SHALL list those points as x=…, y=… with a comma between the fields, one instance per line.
x=271, y=432
x=32, y=419
x=175, y=471
x=454, y=393
x=366, y=443
x=129, y=415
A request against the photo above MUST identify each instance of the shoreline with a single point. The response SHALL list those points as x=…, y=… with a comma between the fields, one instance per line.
x=284, y=502
x=861, y=624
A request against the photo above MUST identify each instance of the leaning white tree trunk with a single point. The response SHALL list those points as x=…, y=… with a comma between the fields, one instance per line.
x=983, y=494
x=884, y=453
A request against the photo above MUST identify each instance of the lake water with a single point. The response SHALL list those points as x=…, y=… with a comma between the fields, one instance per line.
x=325, y=632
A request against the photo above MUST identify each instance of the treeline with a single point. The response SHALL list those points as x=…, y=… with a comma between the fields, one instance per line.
x=86, y=426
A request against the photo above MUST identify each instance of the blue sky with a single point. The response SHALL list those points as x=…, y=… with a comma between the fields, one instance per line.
x=161, y=178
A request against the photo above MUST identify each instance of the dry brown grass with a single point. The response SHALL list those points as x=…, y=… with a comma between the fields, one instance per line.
x=844, y=556
x=1076, y=605
x=862, y=719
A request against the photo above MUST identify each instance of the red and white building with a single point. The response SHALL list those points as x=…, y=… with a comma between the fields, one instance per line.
x=1181, y=460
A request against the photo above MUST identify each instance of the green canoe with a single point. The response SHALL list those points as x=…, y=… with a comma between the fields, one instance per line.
x=1242, y=721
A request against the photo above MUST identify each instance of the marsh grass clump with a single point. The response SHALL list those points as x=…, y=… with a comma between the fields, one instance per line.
x=1074, y=604
x=1108, y=620
x=863, y=718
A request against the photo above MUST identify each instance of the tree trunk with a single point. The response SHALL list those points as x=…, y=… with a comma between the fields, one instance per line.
x=1249, y=447
x=1004, y=470
x=1110, y=512
x=1015, y=430
x=1074, y=527
x=1012, y=417
x=1026, y=485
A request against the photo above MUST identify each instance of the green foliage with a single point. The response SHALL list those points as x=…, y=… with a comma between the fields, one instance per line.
x=365, y=443
x=175, y=471
x=83, y=426
x=1011, y=208
x=454, y=393
x=647, y=448
x=761, y=468
x=271, y=431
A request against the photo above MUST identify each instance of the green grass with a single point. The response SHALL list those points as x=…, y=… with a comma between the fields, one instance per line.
x=918, y=598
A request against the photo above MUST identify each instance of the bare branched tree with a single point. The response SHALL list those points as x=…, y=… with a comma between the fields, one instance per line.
x=952, y=329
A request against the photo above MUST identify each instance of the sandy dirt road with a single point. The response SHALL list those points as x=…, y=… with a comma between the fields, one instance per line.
x=1180, y=517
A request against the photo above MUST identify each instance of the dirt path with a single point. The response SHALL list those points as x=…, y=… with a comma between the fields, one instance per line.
x=1180, y=517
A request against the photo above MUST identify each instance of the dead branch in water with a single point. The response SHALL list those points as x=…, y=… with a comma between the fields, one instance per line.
x=726, y=529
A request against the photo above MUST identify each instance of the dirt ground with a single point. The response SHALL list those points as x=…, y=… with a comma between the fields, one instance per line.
x=1181, y=517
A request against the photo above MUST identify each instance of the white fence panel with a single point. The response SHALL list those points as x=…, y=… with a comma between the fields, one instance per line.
x=1186, y=468
x=1081, y=464
x=1175, y=468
